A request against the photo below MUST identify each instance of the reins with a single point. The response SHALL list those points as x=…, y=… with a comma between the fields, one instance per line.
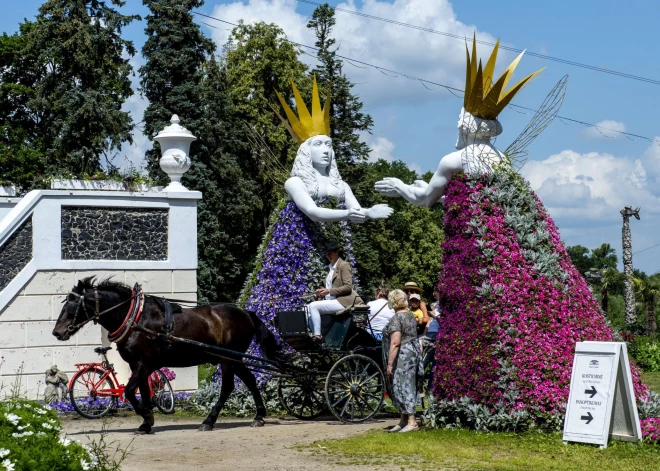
x=81, y=300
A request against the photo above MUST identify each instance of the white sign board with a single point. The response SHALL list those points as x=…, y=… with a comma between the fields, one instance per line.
x=601, y=403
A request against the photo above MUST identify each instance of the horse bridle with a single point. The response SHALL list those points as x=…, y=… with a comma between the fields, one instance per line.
x=97, y=314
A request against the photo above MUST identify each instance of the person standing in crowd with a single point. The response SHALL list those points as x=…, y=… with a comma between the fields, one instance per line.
x=417, y=305
x=403, y=360
x=379, y=312
x=434, y=326
x=338, y=291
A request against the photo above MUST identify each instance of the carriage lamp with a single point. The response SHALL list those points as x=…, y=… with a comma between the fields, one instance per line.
x=175, y=143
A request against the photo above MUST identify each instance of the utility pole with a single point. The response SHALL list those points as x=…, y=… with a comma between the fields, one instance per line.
x=629, y=294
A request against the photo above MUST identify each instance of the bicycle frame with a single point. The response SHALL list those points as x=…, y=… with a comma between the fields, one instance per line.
x=118, y=392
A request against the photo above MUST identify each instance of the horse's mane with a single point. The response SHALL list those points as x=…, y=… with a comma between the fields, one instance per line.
x=106, y=284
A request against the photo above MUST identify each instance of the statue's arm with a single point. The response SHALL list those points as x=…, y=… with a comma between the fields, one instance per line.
x=379, y=211
x=296, y=189
x=424, y=195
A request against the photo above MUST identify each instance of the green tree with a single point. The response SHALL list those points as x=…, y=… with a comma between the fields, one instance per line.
x=21, y=151
x=612, y=283
x=347, y=120
x=647, y=291
x=603, y=257
x=259, y=60
x=580, y=257
x=84, y=80
x=182, y=77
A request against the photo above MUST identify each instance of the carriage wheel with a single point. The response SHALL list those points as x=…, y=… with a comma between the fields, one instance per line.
x=302, y=396
x=354, y=389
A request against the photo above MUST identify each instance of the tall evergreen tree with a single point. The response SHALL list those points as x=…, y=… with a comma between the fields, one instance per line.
x=182, y=77
x=346, y=116
x=84, y=82
x=21, y=150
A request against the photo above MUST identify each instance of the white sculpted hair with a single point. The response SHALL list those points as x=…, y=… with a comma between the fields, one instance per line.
x=303, y=169
x=397, y=300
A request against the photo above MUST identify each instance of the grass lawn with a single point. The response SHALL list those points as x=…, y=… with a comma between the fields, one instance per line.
x=652, y=380
x=467, y=450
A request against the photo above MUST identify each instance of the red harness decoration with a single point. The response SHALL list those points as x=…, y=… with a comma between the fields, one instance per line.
x=132, y=317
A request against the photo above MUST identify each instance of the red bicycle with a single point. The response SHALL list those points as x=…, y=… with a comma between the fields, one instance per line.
x=94, y=389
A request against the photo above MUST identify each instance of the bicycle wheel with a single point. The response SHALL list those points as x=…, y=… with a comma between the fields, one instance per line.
x=163, y=396
x=91, y=397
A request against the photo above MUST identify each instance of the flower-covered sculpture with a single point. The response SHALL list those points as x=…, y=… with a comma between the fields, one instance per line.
x=291, y=261
x=513, y=305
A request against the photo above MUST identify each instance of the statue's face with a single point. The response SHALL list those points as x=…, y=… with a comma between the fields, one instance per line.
x=321, y=150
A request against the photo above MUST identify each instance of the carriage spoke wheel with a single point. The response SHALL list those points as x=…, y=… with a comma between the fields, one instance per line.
x=354, y=389
x=302, y=396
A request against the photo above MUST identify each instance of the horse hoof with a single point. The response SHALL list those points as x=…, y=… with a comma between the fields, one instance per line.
x=142, y=431
x=205, y=428
x=258, y=423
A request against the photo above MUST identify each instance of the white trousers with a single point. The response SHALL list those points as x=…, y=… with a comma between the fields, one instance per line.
x=315, y=309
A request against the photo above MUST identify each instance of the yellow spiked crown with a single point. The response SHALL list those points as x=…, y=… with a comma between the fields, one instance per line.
x=484, y=98
x=306, y=125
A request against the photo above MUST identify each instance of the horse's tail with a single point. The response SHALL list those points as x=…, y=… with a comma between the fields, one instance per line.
x=265, y=338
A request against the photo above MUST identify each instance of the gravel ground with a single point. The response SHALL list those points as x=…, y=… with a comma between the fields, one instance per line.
x=175, y=443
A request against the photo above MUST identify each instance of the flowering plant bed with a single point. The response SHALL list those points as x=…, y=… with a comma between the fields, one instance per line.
x=514, y=304
x=31, y=440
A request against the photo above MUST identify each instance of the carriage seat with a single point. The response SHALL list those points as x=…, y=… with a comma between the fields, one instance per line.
x=102, y=350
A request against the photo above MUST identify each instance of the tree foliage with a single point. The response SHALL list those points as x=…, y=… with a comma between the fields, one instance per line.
x=63, y=80
x=182, y=77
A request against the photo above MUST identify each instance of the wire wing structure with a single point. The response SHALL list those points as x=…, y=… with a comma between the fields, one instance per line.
x=517, y=151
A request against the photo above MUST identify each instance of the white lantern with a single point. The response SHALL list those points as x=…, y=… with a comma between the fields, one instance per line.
x=175, y=143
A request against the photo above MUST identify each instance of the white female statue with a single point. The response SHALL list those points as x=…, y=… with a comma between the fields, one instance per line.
x=315, y=175
x=292, y=260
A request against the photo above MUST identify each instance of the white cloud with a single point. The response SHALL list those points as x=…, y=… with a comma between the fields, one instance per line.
x=414, y=52
x=587, y=189
x=607, y=129
x=381, y=148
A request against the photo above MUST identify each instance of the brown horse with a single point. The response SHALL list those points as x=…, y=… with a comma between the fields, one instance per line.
x=220, y=325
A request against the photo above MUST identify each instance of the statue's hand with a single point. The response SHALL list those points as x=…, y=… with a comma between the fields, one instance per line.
x=389, y=187
x=356, y=215
x=379, y=211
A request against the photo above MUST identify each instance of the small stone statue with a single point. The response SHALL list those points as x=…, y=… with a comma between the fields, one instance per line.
x=57, y=383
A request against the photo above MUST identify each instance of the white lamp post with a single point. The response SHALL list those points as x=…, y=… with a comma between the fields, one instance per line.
x=175, y=143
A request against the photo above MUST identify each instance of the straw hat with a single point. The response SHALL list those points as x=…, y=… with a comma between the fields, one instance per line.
x=411, y=285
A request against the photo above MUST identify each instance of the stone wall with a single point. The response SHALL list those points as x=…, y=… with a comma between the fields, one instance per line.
x=26, y=341
x=15, y=253
x=101, y=233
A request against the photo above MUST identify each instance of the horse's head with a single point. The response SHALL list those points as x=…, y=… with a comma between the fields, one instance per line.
x=75, y=312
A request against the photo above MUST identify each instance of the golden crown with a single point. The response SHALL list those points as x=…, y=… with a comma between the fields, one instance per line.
x=484, y=98
x=306, y=125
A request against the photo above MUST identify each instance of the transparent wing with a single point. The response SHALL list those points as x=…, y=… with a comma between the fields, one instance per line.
x=542, y=118
x=274, y=168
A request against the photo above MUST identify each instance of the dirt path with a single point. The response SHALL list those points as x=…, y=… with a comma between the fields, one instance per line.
x=177, y=445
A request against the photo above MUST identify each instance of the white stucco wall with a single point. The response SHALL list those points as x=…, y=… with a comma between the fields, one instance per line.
x=31, y=302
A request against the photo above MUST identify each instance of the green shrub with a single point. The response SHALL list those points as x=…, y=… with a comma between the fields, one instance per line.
x=31, y=440
x=647, y=353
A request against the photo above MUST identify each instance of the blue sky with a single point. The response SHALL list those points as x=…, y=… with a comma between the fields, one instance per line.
x=582, y=176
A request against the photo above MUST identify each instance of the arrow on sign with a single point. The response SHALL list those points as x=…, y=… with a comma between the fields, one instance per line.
x=592, y=392
x=587, y=417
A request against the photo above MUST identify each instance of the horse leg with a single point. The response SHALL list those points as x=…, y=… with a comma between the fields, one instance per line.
x=226, y=388
x=147, y=407
x=138, y=376
x=250, y=382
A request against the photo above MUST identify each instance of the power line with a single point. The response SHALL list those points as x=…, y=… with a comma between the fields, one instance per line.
x=507, y=48
x=452, y=90
x=647, y=248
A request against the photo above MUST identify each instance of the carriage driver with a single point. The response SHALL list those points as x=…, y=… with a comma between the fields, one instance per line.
x=338, y=291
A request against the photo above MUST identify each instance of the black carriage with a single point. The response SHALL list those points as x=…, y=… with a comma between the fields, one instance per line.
x=342, y=374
